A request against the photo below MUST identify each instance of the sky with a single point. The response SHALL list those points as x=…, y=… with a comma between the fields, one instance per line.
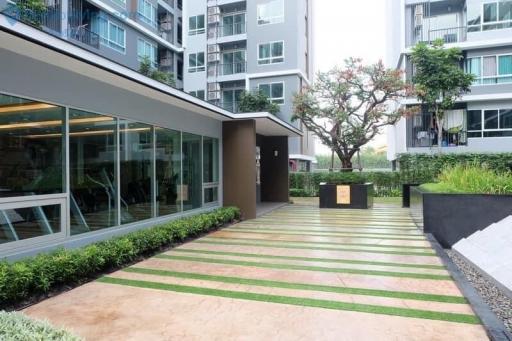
x=348, y=28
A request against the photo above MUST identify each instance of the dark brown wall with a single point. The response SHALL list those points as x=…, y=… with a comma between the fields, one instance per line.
x=239, y=166
x=274, y=169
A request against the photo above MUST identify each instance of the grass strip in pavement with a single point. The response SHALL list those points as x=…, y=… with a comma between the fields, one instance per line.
x=312, y=234
x=297, y=301
x=308, y=224
x=301, y=286
x=327, y=243
x=300, y=247
x=311, y=259
x=306, y=267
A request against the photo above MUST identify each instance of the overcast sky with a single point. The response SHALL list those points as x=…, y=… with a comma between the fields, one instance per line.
x=346, y=28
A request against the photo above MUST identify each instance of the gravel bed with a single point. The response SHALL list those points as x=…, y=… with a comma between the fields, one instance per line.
x=499, y=303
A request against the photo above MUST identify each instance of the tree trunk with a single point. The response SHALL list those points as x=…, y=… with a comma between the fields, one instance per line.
x=346, y=164
x=439, y=133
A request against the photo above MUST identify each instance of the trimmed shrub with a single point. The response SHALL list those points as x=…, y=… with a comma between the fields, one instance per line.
x=38, y=275
x=423, y=168
x=17, y=326
x=307, y=184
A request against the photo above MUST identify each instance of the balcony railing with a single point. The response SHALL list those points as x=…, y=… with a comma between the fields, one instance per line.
x=227, y=30
x=448, y=35
x=422, y=132
x=84, y=36
x=47, y=18
x=232, y=106
x=227, y=69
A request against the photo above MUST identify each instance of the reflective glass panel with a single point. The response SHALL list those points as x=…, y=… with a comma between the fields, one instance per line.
x=192, y=172
x=168, y=171
x=30, y=222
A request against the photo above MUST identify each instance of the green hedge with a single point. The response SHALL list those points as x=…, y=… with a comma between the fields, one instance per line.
x=423, y=168
x=386, y=184
x=38, y=275
x=17, y=326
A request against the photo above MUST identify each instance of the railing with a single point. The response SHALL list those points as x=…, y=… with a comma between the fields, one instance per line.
x=47, y=18
x=448, y=35
x=84, y=36
x=227, y=69
x=421, y=132
x=232, y=106
x=227, y=30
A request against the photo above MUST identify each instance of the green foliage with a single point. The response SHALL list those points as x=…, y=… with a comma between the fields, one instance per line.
x=30, y=11
x=347, y=107
x=257, y=102
x=307, y=184
x=439, y=80
x=370, y=159
x=38, y=275
x=424, y=168
x=471, y=178
x=17, y=326
x=149, y=71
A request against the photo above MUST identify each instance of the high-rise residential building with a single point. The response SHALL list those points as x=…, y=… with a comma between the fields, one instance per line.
x=95, y=142
x=232, y=46
x=481, y=121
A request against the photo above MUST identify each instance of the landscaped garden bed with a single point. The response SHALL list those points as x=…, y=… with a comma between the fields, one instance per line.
x=17, y=326
x=30, y=280
x=466, y=198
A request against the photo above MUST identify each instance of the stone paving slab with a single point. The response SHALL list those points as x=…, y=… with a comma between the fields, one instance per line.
x=297, y=273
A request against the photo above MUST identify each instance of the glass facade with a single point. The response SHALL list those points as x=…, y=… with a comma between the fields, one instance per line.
x=119, y=171
x=192, y=176
x=31, y=146
x=490, y=123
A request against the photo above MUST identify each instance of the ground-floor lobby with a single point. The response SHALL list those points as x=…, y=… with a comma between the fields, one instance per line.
x=296, y=273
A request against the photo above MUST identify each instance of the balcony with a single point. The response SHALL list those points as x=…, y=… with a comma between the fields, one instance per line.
x=227, y=69
x=422, y=130
x=231, y=106
x=84, y=36
x=227, y=30
x=448, y=35
x=43, y=17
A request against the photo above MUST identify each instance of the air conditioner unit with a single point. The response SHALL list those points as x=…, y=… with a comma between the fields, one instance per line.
x=213, y=10
x=214, y=48
x=213, y=57
x=214, y=96
x=213, y=19
x=214, y=87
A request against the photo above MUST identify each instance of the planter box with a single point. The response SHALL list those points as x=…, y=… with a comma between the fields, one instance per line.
x=346, y=196
x=451, y=217
x=406, y=194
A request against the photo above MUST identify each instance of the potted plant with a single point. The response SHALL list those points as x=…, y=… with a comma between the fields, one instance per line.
x=351, y=192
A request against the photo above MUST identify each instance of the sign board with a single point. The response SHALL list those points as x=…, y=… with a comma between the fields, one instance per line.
x=343, y=195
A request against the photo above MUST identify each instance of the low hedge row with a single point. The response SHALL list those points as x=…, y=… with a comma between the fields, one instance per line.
x=386, y=184
x=17, y=326
x=32, y=277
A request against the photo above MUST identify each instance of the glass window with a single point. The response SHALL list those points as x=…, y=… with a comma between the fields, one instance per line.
x=198, y=93
x=136, y=171
x=271, y=12
x=191, y=191
x=491, y=119
x=474, y=14
x=168, y=171
x=147, y=12
x=505, y=10
x=271, y=53
x=274, y=91
x=506, y=119
x=196, y=25
x=32, y=147
x=29, y=222
x=112, y=35
x=196, y=62
x=474, y=120
x=92, y=173
x=210, y=169
x=489, y=70
x=490, y=12
x=474, y=67
x=146, y=49
x=505, y=69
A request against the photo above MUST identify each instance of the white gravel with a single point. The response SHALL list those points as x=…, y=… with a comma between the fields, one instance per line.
x=499, y=303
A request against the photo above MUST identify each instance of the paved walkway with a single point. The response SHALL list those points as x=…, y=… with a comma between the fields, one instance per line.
x=297, y=273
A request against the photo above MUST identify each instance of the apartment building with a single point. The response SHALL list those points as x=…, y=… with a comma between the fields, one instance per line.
x=234, y=46
x=481, y=121
x=91, y=148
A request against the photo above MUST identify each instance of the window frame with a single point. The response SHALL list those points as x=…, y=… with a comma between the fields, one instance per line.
x=274, y=19
x=105, y=41
x=481, y=26
x=480, y=80
x=276, y=100
x=196, y=93
x=154, y=48
x=197, y=30
x=152, y=19
x=483, y=130
x=196, y=68
x=261, y=61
